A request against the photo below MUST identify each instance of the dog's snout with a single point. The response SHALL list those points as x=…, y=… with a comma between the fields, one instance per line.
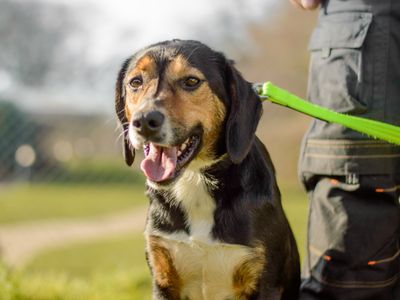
x=148, y=123
x=154, y=120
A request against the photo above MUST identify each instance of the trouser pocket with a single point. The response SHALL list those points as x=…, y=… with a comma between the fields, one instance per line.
x=353, y=241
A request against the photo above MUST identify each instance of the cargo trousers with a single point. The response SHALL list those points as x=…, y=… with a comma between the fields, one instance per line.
x=353, y=181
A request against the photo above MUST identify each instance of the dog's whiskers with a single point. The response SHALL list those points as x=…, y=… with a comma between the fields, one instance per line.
x=122, y=110
x=123, y=133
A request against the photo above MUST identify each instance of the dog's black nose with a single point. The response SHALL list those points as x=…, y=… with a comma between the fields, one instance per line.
x=148, y=123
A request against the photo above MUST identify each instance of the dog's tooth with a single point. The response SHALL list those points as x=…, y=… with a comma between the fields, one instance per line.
x=183, y=146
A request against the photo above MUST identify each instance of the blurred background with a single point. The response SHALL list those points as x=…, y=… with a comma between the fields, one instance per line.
x=71, y=212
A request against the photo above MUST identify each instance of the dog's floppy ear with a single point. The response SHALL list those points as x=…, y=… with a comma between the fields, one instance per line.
x=244, y=114
x=129, y=152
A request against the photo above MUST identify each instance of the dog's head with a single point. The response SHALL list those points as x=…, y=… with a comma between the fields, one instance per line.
x=181, y=101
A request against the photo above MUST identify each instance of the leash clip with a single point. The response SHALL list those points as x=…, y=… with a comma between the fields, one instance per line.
x=258, y=88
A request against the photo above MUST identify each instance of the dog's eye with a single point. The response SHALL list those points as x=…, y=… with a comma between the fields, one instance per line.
x=136, y=82
x=190, y=83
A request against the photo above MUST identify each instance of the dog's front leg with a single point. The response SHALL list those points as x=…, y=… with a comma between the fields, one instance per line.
x=271, y=294
x=166, y=280
x=160, y=293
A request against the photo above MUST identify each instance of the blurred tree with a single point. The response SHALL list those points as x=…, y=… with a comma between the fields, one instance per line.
x=231, y=26
x=33, y=38
x=10, y=137
x=18, y=128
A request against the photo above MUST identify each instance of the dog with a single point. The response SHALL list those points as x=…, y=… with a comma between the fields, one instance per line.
x=215, y=227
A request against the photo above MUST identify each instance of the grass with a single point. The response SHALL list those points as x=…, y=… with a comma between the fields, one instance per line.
x=86, y=259
x=119, y=285
x=93, y=171
x=19, y=203
x=294, y=202
x=108, y=269
x=129, y=251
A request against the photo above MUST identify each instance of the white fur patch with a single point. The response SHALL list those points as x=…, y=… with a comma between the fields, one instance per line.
x=206, y=269
x=205, y=265
x=191, y=192
x=134, y=138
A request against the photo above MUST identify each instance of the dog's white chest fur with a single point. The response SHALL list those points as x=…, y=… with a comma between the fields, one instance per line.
x=192, y=193
x=207, y=270
x=205, y=265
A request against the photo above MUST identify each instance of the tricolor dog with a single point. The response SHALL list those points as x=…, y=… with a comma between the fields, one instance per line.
x=215, y=227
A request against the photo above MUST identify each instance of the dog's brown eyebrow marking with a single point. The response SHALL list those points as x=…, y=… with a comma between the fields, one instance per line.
x=180, y=67
x=144, y=64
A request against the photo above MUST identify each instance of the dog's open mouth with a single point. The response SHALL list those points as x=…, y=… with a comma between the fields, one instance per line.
x=164, y=163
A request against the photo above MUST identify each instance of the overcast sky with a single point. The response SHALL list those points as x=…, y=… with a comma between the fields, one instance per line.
x=148, y=21
x=114, y=29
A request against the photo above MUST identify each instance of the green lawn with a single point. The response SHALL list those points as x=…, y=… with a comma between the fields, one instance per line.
x=108, y=269
x=127, y=284
x=89, y=258
x=19, y=203
x=84, y=259
x=113, y=268
x=294, y=202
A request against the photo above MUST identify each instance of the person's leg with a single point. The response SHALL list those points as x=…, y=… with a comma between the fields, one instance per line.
x=353, y=238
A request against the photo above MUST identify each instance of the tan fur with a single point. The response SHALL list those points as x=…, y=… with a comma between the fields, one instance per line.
x=212, y=271
x=246, y=275
x=164, y=270
x=145, y=64
x=147, y=68
x=197, y=266
x=208, y=268
x=183, y=109
x=200, y=106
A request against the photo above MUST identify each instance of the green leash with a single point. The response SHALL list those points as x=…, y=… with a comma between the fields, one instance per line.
x=375, y=129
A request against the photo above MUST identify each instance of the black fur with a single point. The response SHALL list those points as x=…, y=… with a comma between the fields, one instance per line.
x=249, y=209
x=245, y=112
x=248, y=202
x=129, y=152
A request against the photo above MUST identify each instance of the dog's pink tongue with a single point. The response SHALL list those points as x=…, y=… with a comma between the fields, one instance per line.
x=160, y=163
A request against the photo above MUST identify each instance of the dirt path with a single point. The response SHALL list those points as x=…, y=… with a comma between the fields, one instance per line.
x=20, y=242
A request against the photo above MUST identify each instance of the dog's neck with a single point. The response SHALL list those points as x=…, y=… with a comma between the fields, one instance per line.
x=192, y=193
